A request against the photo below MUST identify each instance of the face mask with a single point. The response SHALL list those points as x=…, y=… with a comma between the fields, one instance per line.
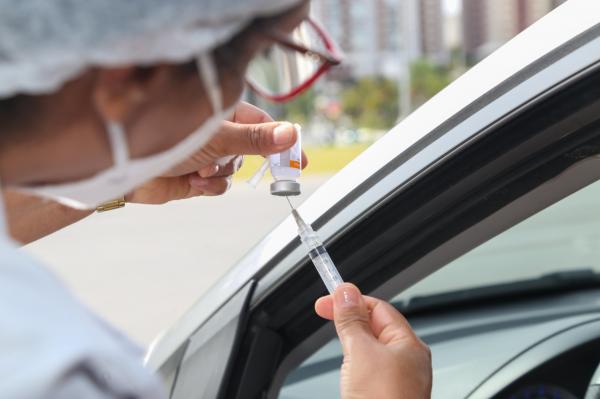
x=126, y=174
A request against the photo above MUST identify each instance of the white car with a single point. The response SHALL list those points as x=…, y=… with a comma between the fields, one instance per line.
x=478, y=216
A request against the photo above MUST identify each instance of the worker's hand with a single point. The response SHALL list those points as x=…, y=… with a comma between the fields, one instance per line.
x=251, y=131
x=383, y=358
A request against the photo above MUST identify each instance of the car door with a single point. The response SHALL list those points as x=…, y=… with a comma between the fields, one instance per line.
x=484, y=154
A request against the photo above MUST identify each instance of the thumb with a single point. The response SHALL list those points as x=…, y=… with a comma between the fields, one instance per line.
x=350, y=314
x=254, y=139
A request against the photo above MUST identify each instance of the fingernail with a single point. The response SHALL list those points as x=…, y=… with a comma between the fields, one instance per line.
x=239, y=161
x=283, y=133
x=199, y=182
x=346, y=295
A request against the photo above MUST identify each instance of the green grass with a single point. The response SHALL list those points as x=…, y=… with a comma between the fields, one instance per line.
x=321, y=160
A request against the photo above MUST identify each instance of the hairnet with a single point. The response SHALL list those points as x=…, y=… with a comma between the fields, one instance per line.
x=44, y=43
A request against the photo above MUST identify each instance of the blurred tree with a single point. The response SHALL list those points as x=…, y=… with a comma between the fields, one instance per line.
x=426, y=80
x=301, y=108
x=371, y=102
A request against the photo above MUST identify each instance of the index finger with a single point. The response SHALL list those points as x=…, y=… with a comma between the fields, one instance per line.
x=387, y=323
x=250, y=114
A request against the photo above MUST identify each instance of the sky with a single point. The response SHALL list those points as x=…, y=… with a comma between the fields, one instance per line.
x=451, y=6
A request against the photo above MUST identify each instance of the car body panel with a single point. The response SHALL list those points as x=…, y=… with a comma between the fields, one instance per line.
x=208, y=351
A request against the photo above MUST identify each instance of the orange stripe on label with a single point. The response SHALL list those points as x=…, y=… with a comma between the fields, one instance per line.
x=294, y=164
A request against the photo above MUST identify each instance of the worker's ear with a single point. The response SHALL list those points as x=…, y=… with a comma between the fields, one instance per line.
x=119, y=92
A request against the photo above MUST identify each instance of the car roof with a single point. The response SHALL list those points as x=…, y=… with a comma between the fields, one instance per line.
x=553, y=30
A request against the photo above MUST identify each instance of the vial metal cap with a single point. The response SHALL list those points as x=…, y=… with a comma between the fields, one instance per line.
x=285, y=187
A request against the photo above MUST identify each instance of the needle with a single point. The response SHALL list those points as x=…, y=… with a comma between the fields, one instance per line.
x=289, y=202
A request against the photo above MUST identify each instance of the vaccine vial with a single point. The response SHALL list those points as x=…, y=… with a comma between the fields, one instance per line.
x=286, y=167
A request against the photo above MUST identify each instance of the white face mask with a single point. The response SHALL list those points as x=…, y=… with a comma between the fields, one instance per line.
x=126, y=174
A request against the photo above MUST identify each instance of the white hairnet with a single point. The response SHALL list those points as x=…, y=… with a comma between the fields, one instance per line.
x=44, y=43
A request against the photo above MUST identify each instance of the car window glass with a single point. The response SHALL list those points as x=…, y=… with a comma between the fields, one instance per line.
x=564, y=237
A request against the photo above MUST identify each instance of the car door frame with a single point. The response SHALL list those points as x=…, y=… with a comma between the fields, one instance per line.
x=416, y=271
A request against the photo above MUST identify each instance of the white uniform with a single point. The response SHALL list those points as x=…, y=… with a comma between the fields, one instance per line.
x=51, y=346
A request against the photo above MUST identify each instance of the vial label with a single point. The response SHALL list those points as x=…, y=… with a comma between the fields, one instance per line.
x=287, y=164
x=295, y=160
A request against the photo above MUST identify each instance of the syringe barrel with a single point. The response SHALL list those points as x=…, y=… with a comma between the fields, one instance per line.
x=309, y=237
x=318, y=254
x=326, y=268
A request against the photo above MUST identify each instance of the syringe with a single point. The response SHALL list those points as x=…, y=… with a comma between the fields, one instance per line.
x=318, y=254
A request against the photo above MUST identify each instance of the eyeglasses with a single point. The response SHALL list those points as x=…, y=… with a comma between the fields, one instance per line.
x=293, y=63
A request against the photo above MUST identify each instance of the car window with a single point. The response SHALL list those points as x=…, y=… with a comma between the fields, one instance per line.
x=563, y=237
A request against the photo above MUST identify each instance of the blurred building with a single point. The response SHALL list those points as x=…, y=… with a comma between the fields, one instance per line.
x=474, y=22
x=487, y=24
x=431, y=31
x=377, y=36
x=452, y=30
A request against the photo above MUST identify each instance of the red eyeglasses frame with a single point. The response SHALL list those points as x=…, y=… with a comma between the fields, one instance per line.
x=329, y=59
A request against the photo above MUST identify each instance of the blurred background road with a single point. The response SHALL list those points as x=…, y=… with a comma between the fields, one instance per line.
x=141, y=267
